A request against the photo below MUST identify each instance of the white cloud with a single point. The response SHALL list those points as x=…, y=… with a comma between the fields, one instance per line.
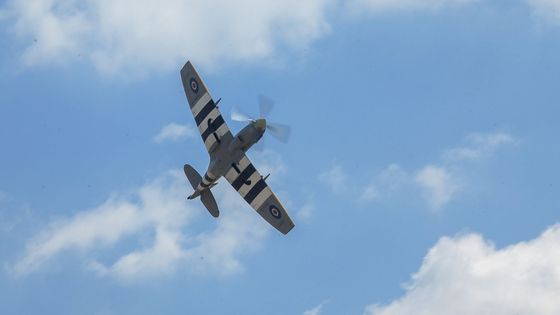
x=335, y=178
x=480, y=145
x=315, y=311
x=162, y=35
x=54, y=29
x=468, y=275
x=174, y=132
x=159, y=206
x=163, y=257
x=438, y=185
x=102, y=226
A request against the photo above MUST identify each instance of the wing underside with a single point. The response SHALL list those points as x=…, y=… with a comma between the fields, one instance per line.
x=250, y=184
x=207, y=116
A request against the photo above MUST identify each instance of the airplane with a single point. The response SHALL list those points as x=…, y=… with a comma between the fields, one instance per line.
x=227, y=156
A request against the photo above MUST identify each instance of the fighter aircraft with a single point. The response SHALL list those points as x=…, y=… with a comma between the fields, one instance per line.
x=227, y=156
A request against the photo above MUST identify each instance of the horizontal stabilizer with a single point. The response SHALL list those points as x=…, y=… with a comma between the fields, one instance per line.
x=192, y=175
x=206, y=195
x=210, y=202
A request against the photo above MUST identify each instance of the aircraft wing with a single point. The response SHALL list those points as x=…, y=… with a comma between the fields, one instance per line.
x=250, y=184
x=207, y=116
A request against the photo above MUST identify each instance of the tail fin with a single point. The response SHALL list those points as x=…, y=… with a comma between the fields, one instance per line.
x=206, y=195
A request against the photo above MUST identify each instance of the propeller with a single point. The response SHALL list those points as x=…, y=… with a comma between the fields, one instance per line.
x=265, y=106
x=279, y=131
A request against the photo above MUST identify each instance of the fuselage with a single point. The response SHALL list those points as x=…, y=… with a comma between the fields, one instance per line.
x=230, y=149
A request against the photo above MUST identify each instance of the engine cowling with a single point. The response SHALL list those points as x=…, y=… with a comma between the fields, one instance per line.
x=246, y=138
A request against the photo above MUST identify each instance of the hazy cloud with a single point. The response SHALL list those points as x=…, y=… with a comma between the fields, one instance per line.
x=379, y=6
x=438, y=182
x=306, y=210
x=390, y=180
x=549, y=9
x=4, y=196
x=369, y=193
x=269, y=162
x=315, y=311
x=335, y=178
x=174, y=132
x=468, y=275
x=435, y=183
x=480, y=145
x=12, y=214
x=3, y=14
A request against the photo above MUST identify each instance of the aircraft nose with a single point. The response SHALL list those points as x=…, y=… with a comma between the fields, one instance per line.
x=260, y=124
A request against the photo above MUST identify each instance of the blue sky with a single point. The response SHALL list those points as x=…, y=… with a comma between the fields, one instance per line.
x=421, y=173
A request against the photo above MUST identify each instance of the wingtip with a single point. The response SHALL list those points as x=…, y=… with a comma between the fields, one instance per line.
x=187, y=65
x=286, y=231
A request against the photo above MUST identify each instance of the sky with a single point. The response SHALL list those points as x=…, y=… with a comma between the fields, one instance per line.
x=421, y=173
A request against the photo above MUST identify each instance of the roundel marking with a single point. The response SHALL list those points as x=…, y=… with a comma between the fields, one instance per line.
x=275, y=212
x=194, y=85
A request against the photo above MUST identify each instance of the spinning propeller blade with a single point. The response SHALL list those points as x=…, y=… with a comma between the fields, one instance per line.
x=265, y=106
x=237, y=115
x=279, y=131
